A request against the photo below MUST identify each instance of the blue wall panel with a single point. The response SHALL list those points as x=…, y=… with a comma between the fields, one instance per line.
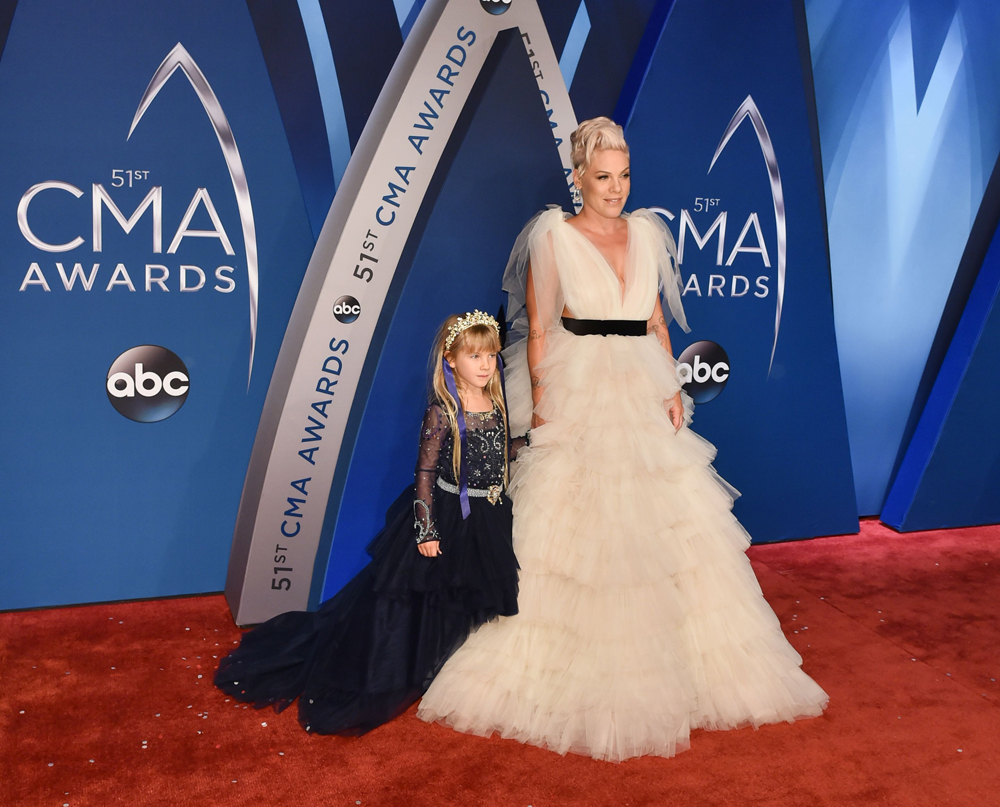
x=285, y=47
x=98, y=506
x=365, y=39
x=779, y=427
x=616, y=29
x=908, y=96
x=950, y=476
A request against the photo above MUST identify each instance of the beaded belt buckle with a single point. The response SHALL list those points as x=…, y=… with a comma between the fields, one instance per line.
x=491, y=494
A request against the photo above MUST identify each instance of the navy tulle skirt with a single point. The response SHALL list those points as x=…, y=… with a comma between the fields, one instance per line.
x=372, y=650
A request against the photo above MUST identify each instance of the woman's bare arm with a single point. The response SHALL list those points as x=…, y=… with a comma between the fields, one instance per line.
x=536, y=347
x=657, y=325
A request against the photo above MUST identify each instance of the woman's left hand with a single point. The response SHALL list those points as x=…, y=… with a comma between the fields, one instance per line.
x=675, y=409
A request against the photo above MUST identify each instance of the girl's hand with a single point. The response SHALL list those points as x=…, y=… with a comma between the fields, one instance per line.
x=430, y=549
x=675, y=410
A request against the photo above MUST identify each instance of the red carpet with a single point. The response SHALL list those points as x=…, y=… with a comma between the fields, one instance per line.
x=113, y=705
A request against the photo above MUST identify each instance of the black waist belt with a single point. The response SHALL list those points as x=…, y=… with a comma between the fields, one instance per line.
x=605, y=327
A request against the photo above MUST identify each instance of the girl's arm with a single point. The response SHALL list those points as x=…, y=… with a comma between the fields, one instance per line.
x=658, y=325
x=432, y=433
x=536, y=348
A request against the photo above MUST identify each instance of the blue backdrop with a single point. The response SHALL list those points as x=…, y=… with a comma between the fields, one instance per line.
x=103, y=507
x=950, y=475
x=775, y=417
x=908, y=96
x=907, y=120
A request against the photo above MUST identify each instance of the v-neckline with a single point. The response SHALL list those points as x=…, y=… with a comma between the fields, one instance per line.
x=621, y=281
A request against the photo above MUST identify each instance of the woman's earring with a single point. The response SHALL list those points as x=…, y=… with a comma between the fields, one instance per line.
x=577, y=196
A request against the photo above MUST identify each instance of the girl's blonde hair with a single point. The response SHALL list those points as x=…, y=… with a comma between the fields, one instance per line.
x=474, y=339
x=593, y=135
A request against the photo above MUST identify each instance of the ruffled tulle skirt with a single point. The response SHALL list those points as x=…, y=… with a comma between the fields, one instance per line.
x=640, y=616
x=372, y=650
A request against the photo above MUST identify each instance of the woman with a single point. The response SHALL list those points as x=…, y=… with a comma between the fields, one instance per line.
x=640, y=616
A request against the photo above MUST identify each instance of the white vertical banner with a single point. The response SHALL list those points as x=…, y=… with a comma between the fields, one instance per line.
x=313, y=387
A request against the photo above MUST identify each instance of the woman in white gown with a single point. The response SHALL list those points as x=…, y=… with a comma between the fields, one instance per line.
x=640, y=616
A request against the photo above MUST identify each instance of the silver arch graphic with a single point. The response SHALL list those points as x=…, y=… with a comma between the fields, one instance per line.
x=314, y=339
x=179, y=58
x=748, y=109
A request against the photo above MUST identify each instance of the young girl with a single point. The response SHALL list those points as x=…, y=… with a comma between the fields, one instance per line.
x=435, y=575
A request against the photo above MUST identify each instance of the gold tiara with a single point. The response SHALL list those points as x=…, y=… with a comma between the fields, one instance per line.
x=477, y=317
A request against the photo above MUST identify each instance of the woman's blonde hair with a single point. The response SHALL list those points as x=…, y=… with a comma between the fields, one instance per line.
x=593, y=135
x=474, y=339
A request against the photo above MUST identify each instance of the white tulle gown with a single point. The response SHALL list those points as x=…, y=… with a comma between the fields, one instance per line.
x=640, y=616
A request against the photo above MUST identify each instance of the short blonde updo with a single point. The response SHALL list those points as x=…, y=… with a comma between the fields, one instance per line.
x=593, y=135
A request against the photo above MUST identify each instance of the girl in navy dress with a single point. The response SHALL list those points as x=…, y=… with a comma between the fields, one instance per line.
x=436, y=573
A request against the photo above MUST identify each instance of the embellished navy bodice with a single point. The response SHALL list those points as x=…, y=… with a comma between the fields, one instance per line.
x=486, y=444
x=487, y=454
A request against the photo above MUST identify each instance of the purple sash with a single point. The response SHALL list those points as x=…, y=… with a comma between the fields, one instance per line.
x=463, y=472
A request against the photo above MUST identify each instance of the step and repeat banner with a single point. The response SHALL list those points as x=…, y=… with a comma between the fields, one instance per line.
x=231, y=227
x=154, y=239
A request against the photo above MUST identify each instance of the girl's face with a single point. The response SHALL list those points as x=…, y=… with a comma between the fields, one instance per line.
x=473, y=369
x=605, y=184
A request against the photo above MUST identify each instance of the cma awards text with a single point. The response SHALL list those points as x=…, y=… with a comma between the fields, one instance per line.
x=450, y=69
x=312, y=442
x=154, y=276
x=716, y=284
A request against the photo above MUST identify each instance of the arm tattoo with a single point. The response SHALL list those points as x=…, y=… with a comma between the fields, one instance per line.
x=535, y=381
x=534, y=335
x=662, y=334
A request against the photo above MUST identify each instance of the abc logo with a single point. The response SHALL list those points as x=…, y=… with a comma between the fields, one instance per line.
x=495, y=6
x=147, y=383
x=346, y=309
x=703, y=369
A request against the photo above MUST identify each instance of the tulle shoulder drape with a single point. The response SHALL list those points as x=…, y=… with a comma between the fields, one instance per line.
x=533, y=248
x=653, y=241
x=651, y=245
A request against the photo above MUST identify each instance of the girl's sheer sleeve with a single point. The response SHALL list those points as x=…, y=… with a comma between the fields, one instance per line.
x=432, y=434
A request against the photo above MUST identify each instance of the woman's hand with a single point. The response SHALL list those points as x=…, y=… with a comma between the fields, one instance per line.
x=675, y=409
x=536, y=421
x=430, y=549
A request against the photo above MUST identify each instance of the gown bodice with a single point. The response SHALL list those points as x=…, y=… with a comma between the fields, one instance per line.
x=591, y=287
x=568, y=270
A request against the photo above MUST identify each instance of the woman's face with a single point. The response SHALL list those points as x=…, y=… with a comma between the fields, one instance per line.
x=605, y=184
